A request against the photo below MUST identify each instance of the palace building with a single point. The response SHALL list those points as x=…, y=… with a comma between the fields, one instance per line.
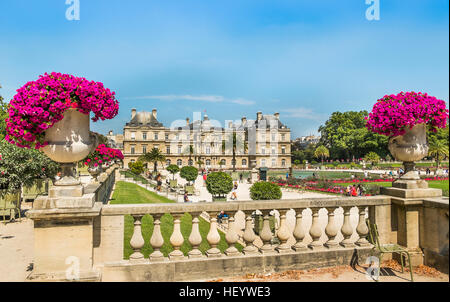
x=264, y=142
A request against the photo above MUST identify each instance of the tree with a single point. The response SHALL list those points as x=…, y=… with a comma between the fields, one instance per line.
x=136, y=167
x=372, y=157
x=322, y=153
x=173, y=169
x=154, y=156
x=346, y=136
x=265, y=191
x=438, y=150
x=234, y=142
x=297, y=162
x=3, y=116
x=20, y=166
x=189, y=173
x=219, y=184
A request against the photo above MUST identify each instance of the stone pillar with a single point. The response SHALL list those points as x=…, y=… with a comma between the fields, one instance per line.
x=64, y=237
x=407, y=195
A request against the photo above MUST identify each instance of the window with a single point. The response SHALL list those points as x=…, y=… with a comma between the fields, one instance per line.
x=190, y=162
x=283, y=150
x=273, y=137
x=179, y=162
x=156, y=136
x=177, y=136
x=168, y=162
x=244, y=162
x=144, y=136
x=283, y=136
x=208, y=150
x=223, y=162
x=208, y=162
x=167, y=137
x=133, y=135
x=263, y=137
x=144, y=149
x=179, y=149
x=263, y=150
x=132, y=150
x=263, y=162
x=167, y=149
x=283, y=163
x=156, y=147
x=273, y=150
x=274, y=162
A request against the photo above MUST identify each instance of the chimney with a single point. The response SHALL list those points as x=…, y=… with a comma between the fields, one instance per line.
x=187, y=121
x=133, y=112
x=243, y=120
x=277, y=115
x=259, y=115
x=154, y=113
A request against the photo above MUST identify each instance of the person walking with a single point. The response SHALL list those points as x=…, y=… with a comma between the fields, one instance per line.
x=158, y=182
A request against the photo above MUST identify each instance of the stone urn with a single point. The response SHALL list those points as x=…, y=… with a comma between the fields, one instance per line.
x=95, y=172
x=69, y=142
x=409, y=147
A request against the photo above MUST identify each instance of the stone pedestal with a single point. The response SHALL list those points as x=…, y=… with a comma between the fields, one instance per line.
x=63, y=236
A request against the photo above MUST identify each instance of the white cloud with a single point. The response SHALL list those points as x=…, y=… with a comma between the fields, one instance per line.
x=304, y=113
x=188, y=97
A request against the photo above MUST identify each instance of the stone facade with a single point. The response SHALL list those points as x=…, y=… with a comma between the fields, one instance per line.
x=264, y=141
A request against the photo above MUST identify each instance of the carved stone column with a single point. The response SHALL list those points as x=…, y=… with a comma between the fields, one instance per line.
x=157, y=240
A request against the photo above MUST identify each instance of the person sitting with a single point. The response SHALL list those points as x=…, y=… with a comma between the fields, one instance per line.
x=221, y=215
x=186, y=197
x=354, y=192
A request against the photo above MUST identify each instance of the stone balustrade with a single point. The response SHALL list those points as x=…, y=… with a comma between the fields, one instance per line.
x=284, y=233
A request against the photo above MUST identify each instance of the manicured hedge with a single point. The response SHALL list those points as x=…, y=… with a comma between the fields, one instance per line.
x=219, y=183
x=265, y=191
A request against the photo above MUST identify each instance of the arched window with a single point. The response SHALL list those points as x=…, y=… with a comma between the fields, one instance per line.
x=179, y=162
x=168, y=162
x=223, y=162
x=244, y=162
x=208, y=162
x=190, y=162
x=283, y=163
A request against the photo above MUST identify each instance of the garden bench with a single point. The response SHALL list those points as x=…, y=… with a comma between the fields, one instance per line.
x=9, y=205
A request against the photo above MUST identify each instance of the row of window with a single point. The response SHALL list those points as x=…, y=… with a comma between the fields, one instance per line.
x=177, y=137
x=223, y=162
x=207, y=151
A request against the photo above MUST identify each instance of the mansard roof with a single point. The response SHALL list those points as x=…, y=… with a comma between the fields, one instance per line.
x=144, y=118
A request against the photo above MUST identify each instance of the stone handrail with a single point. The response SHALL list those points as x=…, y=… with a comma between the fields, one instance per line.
x=284, y=233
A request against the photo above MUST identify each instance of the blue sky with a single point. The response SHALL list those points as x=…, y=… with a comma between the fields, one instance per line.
x=304, y=59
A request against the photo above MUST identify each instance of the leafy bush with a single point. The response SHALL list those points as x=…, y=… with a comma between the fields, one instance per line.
x=173, y=169
x=219, y=183
x=136, y=167
x=189, y=173
x=265, y=191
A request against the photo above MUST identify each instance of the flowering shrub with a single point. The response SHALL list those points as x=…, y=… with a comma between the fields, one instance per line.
x=39, y=104
x=102, y=155
x=393, y=113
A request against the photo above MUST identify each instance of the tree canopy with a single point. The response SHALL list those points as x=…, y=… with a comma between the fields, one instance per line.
x=154, y=156
x=346, y=136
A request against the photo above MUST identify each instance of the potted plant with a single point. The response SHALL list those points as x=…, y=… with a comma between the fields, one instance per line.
x=173, y=169
x=100, y=158
x=219, y=184
x=52, y=114
x=189, y=173
x=405, y=118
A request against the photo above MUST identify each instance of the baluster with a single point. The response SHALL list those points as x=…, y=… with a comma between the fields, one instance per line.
x=176, y=239
x=195, y=239
x=249, y=235
x=299, y=232
x=157, y=240
x=232, y=237
x=362, y=228
x=347, y=229
x=213, y=236
x=266, y=234
x=331, y=230
x=137, y=240
x=315, y=231
x=283, y=234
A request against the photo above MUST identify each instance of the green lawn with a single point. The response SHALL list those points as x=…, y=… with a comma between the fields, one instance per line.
x=135, y=177
x=128, y=193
